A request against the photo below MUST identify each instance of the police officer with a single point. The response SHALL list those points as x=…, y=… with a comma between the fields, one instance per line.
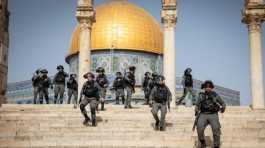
x=90, y=92
x=72, y=86
x=103, y=83
x=119, y=85
x=35, y=83
x=59, y=84
x=160, y=97
x=129, y=79
x=187, y=83
x=208, y=104
x=44, y=84
x=145, y=86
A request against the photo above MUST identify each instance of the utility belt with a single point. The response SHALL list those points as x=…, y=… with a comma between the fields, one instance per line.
x=207, y=112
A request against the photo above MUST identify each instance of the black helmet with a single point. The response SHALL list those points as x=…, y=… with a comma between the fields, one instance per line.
x=88, y=74
x=188, y=70
x=147, y=73
x=60, y=67
x=73, y=75
x=44, y=71
x=132, y=68
x=160, y=78
x=154, y=74
x=38, y=71
x=100, y=69
x=118, y=73
x=208, y=83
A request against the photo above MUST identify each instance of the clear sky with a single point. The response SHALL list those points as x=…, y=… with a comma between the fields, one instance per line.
x=210, y=39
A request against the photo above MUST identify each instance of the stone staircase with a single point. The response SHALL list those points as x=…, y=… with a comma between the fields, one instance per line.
x=61, y=126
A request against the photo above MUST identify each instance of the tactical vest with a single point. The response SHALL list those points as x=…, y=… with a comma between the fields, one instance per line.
x=188, y=80
x=72, y=84
x=130, y=79
x=209, y=104
x=119, y=83
x=35, y=81
x=60, y=77
x=90, y=90
x=146, y=81
x=161, y=95
x=102, y=80
x=44, y=82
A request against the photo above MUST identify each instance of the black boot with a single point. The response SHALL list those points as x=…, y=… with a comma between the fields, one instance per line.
x=87, y=119
x=94, y=122
x=216, y=146
x=203, y=143
x=117, y=100
x=123, y=100
x=157, y=125
x=102, y=106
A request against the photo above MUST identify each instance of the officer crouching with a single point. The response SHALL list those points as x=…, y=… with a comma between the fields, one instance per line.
x=91, y=92
x=208, y=104
x=160, y=97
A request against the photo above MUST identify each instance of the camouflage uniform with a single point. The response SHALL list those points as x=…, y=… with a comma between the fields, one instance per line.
x=207, y=106
x=90, y=92
x=59, y=85
x=119, y=86
x=72, y=86
x=160, y=97
x=44, y=84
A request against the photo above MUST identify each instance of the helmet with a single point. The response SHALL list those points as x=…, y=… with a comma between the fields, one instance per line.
x=44, y=71
x=147, y=73
x=118, y=73
x=38, y=71
x=154, y=74
x=60, y=67
x=160, y=78
x=89, y=74
x=132, y=68
x=188, y=70
x=208, y=83
x=73, y=75
x=100, y=69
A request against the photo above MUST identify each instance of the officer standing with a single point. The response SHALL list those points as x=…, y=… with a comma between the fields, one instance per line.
x=160, y=97
x=145, y=86
x=90, y=92
x=72, y=86
x=129, y=79
x=208, y=104
x=44, y=84
x=35, y=83
x=103, y=83
x=59, y=84
x=118, y=85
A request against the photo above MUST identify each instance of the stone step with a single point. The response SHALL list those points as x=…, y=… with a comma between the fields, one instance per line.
x=61, y=126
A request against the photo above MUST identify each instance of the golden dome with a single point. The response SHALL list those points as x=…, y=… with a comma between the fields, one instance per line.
x=122, y=25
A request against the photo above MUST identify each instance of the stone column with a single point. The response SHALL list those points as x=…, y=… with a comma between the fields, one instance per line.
x=169, y=18
x=85, y=15
x=253, y=16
